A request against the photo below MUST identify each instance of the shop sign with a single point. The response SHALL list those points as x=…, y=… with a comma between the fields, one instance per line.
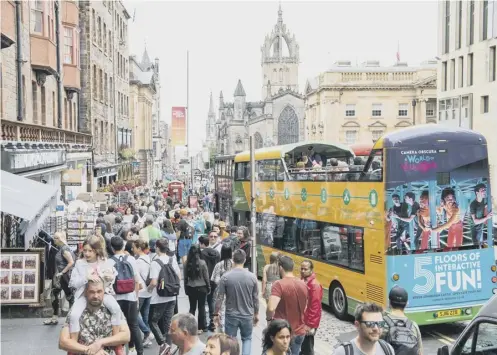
x=22, y=161
x=106, y=171
x=71, y=177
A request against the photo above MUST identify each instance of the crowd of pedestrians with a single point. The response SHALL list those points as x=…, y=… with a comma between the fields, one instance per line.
x=123, y=286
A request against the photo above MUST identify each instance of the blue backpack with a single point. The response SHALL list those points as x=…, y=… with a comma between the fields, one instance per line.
x=125, y=279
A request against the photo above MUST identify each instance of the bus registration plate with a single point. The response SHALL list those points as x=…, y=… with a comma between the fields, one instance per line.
x=449, y=313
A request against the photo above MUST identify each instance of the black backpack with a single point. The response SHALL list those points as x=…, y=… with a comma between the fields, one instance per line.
x=349, y=349
x=232, y=241
x=402, y=336
x=168, y=283
x=125, y=279
x=148, y=279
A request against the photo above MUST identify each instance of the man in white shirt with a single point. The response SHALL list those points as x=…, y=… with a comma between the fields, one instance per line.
x=144, y=296
x=128, y=301
x=161, y=308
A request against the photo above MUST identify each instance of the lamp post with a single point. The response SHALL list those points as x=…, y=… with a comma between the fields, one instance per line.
x=413, y=112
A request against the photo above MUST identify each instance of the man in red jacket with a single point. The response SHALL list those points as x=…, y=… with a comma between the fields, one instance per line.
x=312, y=315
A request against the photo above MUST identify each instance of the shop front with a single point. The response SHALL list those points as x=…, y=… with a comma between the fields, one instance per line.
x=125, y=171
x=104, y=176
x=39, y=162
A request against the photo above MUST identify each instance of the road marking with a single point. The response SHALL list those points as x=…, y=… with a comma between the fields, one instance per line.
x=446, y=337
x=440, y=338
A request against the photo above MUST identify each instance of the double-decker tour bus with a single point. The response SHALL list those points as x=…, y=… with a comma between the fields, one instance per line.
x=223, y=181
x=412, y=216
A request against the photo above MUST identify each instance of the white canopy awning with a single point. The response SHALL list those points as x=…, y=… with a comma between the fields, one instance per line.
x=27, y=199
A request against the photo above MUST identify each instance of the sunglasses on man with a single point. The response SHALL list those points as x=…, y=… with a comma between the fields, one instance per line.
x=372, y=324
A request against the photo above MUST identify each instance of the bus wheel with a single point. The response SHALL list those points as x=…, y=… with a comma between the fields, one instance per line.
x=338, y=301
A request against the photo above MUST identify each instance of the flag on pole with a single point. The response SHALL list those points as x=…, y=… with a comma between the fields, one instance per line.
x=398, y=52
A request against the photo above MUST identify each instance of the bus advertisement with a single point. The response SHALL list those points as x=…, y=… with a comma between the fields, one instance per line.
x=414, y=215
x=439, y=236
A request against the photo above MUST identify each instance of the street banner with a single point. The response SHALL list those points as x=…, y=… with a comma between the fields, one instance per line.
x=178, y=132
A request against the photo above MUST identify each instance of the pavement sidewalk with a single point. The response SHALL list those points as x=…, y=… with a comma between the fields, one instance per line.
x=28, y=336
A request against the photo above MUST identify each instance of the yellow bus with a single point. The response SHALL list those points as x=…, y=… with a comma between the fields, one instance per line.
x=413, y=215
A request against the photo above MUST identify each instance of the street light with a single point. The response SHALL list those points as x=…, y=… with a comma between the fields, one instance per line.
x=413, y=112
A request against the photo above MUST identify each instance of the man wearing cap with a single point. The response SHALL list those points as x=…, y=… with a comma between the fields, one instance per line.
x=223, y=234
x=396, y=318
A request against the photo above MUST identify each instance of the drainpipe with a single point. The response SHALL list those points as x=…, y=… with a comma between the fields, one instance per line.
x=59, y=65
x=20, y=98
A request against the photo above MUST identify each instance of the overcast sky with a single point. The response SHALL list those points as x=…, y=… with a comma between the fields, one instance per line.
x=224, y=40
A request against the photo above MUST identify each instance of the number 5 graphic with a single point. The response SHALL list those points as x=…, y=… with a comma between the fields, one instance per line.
x=419, y=272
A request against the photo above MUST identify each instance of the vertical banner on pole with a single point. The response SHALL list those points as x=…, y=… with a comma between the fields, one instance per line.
x=178, y=126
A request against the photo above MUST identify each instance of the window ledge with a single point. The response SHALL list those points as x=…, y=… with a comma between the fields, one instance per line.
x=403, y=117
x=351, y=117
x=377, y=117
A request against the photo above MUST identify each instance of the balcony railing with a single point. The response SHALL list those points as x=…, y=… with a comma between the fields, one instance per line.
x=25, y=132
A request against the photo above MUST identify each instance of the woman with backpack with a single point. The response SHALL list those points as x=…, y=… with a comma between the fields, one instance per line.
x=144, y=295
x=270, y=274
x=222, y=267
x=64, y=262
x=197, y=284
x=164, y=282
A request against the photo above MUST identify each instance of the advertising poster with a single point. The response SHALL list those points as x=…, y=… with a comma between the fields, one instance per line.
x=438, y=206
x=20, y=278
x=438, y=232
x=178, y=126
x=444, y=279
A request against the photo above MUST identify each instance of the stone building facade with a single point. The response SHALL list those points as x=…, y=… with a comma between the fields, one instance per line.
x=143, y=87
x=278, y=118
x=467, y=71
x=104, y=101
x=357, y=104
x=40, y=88
x=167, y=148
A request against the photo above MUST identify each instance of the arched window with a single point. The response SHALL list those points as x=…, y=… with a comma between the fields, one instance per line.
x=288, y=126
x=258, y=142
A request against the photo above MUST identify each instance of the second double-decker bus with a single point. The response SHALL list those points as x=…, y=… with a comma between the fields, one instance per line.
x=223, y=181
x=414, y=216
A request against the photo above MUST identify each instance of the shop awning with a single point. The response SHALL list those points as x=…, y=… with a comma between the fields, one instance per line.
x=27, y=199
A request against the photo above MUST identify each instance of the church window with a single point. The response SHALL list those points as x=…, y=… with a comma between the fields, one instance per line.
x=259, y=143
x=281, y=75
x=288, y=126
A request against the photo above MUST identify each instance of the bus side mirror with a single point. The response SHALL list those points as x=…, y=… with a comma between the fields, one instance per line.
x=444, y=350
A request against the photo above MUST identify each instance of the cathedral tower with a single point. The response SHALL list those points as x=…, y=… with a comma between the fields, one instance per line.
x=279, y=59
